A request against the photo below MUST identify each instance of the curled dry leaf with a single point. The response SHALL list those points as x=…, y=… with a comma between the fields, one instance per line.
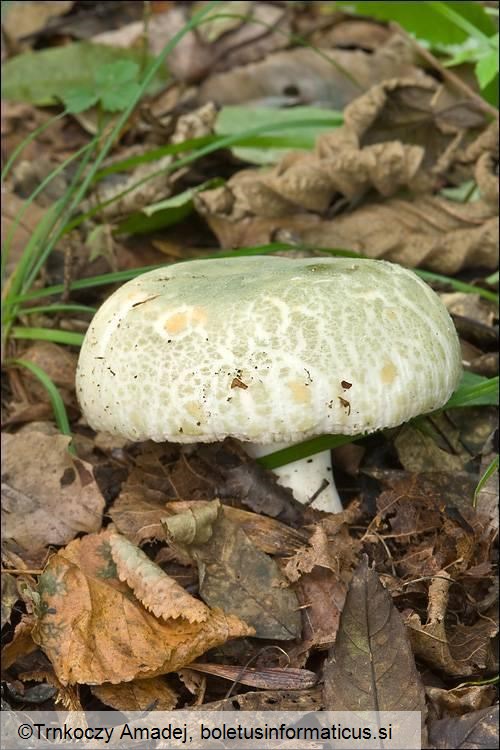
x=236, y=576
x=93, y=631
x=456, y=649
x=48, y=496
x=378, y=150
x=153, y=694
x=159, y=593
x=460, y=700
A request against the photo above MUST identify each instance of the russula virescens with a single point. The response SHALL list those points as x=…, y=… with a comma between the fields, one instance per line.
x=270, y=351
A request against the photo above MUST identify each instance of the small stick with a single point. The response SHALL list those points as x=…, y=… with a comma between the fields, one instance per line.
x=450, y=77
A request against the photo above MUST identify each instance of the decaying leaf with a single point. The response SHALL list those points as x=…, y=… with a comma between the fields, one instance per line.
x=153, y=694
x=460, y=700
x=378, y=150
x=235, y=475
x=475, y=731
x=9, y=596
x=269, y=700
x=48, y=496
x=237, y=577
x=331, y=77
x=458, y=650
x=94, y=632
x=159, y=593
x=272, y=678
x=371, y=667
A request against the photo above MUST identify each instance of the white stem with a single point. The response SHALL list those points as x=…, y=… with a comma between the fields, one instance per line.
x=308, y=477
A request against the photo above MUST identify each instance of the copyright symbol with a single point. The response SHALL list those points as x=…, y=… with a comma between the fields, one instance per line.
x=25, y=731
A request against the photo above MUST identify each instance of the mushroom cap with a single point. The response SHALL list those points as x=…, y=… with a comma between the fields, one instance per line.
x=266, y=349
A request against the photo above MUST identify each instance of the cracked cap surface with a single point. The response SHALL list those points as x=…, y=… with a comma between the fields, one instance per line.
x=266, y=349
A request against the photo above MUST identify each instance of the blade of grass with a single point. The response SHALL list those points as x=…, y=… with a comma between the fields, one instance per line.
x=481, y=392
x=305, y=449
x=222, y=142
x=460, y=286
x=57, y=308
x=58, y=406
x=456, y=18
x=20, y=214
x=48, y=334
x=31, y=137
x=492, y=467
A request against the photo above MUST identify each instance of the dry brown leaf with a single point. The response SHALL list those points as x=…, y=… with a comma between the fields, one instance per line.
x=332, y=77
x=269, y=700
x=272, y=678
x=28, y=18
x=11, y=207
x=137, y=513
x=152, y=694
x=267, y=534
x=48, y=496
x=159, y=593
x=9, y=597
x=21, y=644
x=460, y=700
x=321, y=595
x=474, y=731
x=235, y=575
x=94, y=632
x=458, y=650
x=371, y=666
x=379, y=148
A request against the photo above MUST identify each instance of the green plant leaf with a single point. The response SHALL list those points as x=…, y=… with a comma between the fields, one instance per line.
x=48, y=334
x=487, y=68
x=58, y=406
x=474, y=390
x=294, y=132
x=164, y=213
x=45, y=76
x=79, y=99
x=427, y=21
x=490, y=469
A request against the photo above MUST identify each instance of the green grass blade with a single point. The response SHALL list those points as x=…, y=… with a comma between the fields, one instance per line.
x=57, y=308
x=48, y=334
x=493, y=466
x=31, y=137
x=304, y=450
x=474, y=391
x=460, y=286
x=58, y=406
x=456, y=18
x=20, y=214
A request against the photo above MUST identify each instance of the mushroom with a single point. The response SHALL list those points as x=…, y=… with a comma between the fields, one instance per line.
x=270, y=351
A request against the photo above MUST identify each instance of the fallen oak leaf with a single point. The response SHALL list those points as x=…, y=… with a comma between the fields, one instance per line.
x=159, y=593
x=93, y=631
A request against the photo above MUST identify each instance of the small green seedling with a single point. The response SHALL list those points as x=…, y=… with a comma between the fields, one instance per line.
x=114, y=88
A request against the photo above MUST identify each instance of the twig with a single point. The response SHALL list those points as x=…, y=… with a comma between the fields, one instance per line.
x=448, y=76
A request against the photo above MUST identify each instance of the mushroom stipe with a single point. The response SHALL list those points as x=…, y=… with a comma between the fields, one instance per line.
x=269, y=351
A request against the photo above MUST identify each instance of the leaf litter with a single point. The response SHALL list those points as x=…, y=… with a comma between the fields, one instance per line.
x=201, y=560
